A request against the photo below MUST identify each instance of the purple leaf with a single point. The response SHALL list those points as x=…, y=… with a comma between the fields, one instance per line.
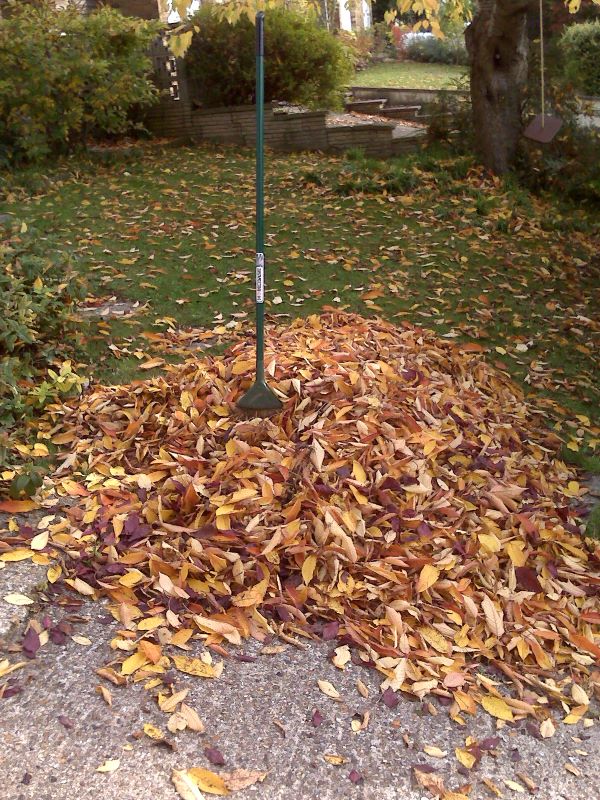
x=317, y=718
x=214, y=756
x=31, y=643
x=491, y=743
x=355, y=776
x=390, y=698
x=330, y=631
x=527, y=580
x=65, y=721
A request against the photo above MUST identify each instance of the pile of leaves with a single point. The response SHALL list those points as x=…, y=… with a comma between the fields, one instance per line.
x=405, y=501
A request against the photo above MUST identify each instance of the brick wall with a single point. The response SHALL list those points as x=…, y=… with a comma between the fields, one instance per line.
x=175, y=116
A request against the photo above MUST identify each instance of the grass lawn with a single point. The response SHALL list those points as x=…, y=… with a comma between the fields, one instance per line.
x=410, y=75
x=474, y=259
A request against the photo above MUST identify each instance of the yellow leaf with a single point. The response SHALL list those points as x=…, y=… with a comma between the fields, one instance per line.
x=109, y=766
x=186, y=400
x=18, y=599
x=133, y=663
x=429, y=575
x=39, y=541
x=308, y=568
x=516, y=787
x=359, y=474
x=193, y=666
x=489, y=542
x=20, y=554
x=497, y=707
x=208, y=781
x=153, y=732
x=6, y=667
x=333, y=758
x=179, y=43
x=252, y=596
x=466, y=758
x=329, y=689
x=434, y=752
x=436, y=639
x=579, y=695
x=223, y=629
x=80, y=586
x=185, y=785
x=131, y=578
x=515, y=553
x=150, y=623
x=54, y=573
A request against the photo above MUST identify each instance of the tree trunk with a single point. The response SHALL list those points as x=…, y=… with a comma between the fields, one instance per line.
x=498, y=48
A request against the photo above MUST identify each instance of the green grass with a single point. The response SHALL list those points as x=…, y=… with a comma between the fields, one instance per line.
x=592, y=526
x=429, y=241
x=410, y=75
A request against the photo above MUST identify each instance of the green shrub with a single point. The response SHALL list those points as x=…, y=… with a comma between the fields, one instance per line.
x=359, y=46
x=37, y=292
x=451, y=50
x=65, y=76
x=304, y=64
x=580, y=46
x=568, y=166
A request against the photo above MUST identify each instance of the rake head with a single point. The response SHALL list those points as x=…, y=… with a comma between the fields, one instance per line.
x=260, y=397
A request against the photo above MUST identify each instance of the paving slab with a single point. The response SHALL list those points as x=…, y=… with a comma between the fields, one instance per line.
x=258, y=714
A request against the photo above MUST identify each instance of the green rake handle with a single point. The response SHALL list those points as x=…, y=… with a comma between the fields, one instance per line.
x=260, y=396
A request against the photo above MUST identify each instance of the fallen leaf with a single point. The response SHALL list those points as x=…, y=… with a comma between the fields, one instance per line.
x=329, y=689
x=194, y=666
x=17, y=599
x=109, y=766
x=497, y=707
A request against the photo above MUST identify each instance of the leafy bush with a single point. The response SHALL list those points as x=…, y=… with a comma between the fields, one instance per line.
x=569, y=165
x=37, y=292
x=65, y=76
x=359, y=46
x=303, y=63
x=451, y=50
x=580, y=46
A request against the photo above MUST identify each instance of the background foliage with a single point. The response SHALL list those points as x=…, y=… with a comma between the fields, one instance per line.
x=37, y=292
x=580, y=46
x=304, y=63
x=65, y=76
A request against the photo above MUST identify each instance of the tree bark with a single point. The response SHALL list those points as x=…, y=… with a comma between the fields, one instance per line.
x=498, y=49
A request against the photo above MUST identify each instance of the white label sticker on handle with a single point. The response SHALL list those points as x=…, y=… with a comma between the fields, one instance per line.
x=260, y=277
